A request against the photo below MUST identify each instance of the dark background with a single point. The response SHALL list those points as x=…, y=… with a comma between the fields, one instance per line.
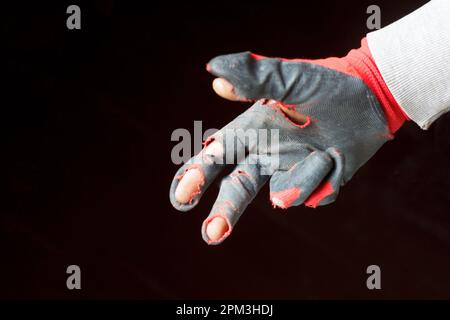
x=86, y=120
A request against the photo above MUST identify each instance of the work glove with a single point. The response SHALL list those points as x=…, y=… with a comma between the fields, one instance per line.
x=348, y=114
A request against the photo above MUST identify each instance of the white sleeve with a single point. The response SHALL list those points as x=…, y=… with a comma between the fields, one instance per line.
x=413, y=56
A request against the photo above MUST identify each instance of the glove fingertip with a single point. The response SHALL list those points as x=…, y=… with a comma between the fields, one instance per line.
x=318, y=196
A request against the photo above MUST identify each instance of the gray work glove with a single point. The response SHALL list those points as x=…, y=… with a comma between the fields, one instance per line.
x=350, y=114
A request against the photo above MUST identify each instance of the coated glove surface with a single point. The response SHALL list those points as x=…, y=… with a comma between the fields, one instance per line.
x=350, y=115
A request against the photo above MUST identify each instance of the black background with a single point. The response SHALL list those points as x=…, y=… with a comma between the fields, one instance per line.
x=86, y=120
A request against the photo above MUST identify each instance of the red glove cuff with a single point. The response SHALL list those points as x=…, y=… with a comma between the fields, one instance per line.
x=362, y=62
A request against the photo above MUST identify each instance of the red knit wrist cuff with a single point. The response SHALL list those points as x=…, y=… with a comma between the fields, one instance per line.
x=362, y=61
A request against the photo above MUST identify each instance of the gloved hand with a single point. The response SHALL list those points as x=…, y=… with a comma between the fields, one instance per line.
x=346, y=114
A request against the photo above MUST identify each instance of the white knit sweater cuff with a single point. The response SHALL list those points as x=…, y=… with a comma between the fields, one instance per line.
x=413, y=56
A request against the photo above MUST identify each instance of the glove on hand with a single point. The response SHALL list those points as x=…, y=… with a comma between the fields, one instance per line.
x=350, y=114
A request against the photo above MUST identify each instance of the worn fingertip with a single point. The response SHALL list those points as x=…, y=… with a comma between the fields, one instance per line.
x=225, y=89
x=186, y=187
x=220, y=234
x=284, y=199
x=277, y=203
x=317, y=197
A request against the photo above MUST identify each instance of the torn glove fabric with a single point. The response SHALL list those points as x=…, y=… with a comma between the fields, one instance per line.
x=350, y=115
